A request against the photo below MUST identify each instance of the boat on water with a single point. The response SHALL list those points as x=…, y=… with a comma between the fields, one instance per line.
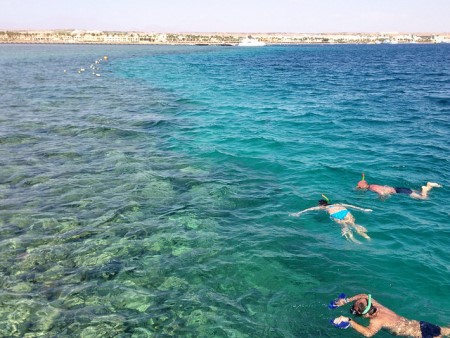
x=251, y=42
x=390, y=42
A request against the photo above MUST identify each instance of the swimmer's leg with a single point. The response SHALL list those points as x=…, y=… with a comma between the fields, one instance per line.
x=348, y=234
x=349, y=221
x=425, y=189
x=361, y=230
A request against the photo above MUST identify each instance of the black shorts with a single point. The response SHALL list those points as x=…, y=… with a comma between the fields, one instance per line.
x=429, y=330
x=406, y=191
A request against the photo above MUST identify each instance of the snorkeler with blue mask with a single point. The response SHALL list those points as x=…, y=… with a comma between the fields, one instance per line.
x=383, y=318
x=341, y=215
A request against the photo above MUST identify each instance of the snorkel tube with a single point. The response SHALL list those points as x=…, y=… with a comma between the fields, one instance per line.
x=369, y=305
x=326, y=199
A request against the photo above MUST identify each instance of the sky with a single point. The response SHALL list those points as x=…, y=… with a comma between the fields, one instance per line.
x=283, y=16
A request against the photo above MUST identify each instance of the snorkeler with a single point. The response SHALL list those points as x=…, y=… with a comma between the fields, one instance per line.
x=384, y=190
x=382, y=318
x=340, y=215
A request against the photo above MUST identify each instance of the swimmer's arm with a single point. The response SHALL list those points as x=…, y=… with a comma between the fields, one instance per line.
x=344, y=301
x=306, y=210
x=355, y=207
x=368, y=331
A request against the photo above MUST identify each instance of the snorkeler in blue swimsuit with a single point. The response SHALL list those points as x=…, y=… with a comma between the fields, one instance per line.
x=340, y=215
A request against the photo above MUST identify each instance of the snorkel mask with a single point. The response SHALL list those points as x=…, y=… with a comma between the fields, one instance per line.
x=355, y=312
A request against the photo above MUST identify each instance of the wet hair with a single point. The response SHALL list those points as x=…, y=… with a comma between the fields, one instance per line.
x=358, y=309
x=323, y=202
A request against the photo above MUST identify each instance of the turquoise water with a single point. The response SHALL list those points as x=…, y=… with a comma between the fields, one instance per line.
x=153, y=200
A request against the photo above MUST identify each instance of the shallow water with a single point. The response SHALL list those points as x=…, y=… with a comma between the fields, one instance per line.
x=153, y=201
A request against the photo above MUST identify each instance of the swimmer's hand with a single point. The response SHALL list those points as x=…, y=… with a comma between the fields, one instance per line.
x=341, y=322
x=341, y=319
x=296, y=214
x=368, y=210
x=341, y=301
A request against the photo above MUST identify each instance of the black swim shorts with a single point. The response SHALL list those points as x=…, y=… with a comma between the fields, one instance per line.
x=429, y=330
x=406, y=191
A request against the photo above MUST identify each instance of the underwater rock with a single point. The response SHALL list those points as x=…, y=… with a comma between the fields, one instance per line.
x=141, y=332
x=107, y=271
x=105, y=327
x=189, y=221
x=43, y=320
x=157, y=192
x=132, y=300
x=15, y=317
x=20, y=221
x=181, y=250
x=197, y=317
x=173, y=282
x=21, y=287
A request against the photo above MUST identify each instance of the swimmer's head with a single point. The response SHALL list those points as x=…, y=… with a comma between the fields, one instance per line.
x=323, y=203
x=363, y=306
x=363, y=183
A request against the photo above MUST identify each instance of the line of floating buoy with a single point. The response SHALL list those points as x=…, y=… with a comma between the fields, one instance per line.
x=93, y=66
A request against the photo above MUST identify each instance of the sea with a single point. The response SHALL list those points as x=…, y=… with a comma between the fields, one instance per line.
x=145, y=191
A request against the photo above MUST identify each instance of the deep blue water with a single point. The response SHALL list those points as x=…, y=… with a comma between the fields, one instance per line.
x=153, y=200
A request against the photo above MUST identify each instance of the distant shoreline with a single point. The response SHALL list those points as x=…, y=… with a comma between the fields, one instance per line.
x=191, y=44
x=77, y=37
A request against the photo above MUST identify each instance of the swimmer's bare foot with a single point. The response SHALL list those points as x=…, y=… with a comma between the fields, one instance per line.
x=349, y=236
x=433, y=185
x=361, y=231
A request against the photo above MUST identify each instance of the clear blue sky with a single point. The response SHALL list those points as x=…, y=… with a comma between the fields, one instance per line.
x=229, y=15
